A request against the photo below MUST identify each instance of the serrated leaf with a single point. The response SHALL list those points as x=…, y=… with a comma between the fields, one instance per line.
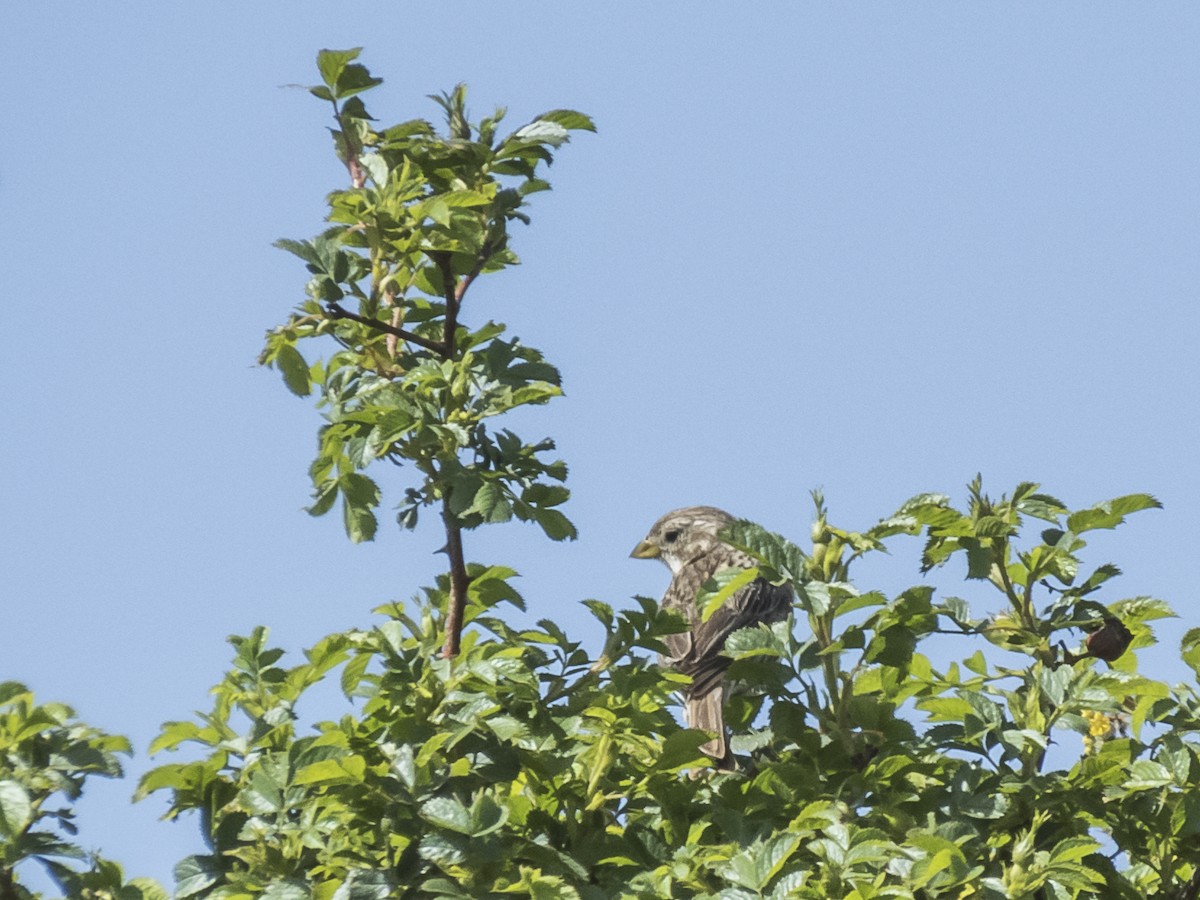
x=977, y=663
x=16, y=809
x=286, y=890
x=569, y=119
x=556, y=526
x=861, y=601
x=294, y=370
x=354, y=79
x=543, y=131
x=322, y=770
x=193, y=874
x=681, y=750
x=717, y=590
x=364, y=884
x=491, y=503
x=447, y=813
x=360, y=495
x=1111, y=513
x=331, y=64
x=302, y=249
x=773, y=855
x=757, y=640
x=1145, y=774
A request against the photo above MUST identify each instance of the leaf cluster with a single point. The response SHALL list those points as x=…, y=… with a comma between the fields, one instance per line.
x=425, y=215
x=46, y=758
x=525, y=766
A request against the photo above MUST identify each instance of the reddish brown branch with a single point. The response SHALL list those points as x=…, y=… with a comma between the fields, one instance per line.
x=358, y=177
x=454, y=291
x=339, y=312
x=453, y=301
x=459, y=581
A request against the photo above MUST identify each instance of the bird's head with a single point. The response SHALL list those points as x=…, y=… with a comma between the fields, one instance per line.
x=683, y=535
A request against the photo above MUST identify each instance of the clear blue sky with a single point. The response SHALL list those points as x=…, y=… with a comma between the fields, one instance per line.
x=874, y=247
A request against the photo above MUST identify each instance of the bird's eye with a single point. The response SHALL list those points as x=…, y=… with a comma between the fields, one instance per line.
x=671, y=537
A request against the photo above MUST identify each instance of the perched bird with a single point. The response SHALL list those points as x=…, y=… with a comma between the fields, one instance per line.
x=687, y=541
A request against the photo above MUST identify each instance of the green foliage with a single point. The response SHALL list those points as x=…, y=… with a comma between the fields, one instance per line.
x=425, y=215
x=526, y=767
x=46, y=757
x=511, y=762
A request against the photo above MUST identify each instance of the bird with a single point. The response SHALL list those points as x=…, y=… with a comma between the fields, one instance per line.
x=688, y=541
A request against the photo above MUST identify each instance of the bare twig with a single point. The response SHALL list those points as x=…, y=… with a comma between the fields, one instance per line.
x=339, y=312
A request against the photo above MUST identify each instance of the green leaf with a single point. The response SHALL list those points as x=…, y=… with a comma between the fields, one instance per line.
x=1055, y=683
x=365, y=884
x=717, y=590
x=332, y=63
x=556, y=526
x=569, y=119
x=773, y=550
x=292, y=889
x=979, y=558
x=1190, y=648
x=354, y=79
x=1111, y=513
x=773, y=855
x=681, y=750
x=179, y=777
x=16, y=809
x=194, y=874
x=447, y=813
x=322, y=770
x=360, y=495
x=758, y=640
x=294, y=370
x=1145, y=774
x=977, y=663
x=302, y=249
x=491, y=503
x=861, y=601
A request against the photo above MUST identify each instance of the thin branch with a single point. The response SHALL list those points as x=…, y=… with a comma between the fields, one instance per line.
x=397, y=317
x=455, y=291
x=339, y=312
x=358, y=176
x=458, y=583
x=453, y=301
x=461, y=289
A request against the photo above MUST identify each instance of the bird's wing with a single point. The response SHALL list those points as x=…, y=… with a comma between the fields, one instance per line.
x=698, y=654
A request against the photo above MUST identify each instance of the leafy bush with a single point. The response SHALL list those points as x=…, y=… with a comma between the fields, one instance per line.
x=46, y=757
x=475, y=759
x=525, y=767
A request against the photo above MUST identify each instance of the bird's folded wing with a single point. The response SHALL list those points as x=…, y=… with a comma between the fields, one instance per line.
x=759, y=601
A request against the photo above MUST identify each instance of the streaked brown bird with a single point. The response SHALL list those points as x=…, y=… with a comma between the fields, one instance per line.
x=687, y=541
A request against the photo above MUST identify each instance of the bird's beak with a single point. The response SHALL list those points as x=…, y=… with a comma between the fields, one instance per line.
x=646, y=550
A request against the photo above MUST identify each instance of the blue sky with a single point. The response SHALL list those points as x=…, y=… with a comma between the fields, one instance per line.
x=874, y=248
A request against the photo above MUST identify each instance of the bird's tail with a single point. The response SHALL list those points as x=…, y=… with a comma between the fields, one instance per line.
x=707, y=712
